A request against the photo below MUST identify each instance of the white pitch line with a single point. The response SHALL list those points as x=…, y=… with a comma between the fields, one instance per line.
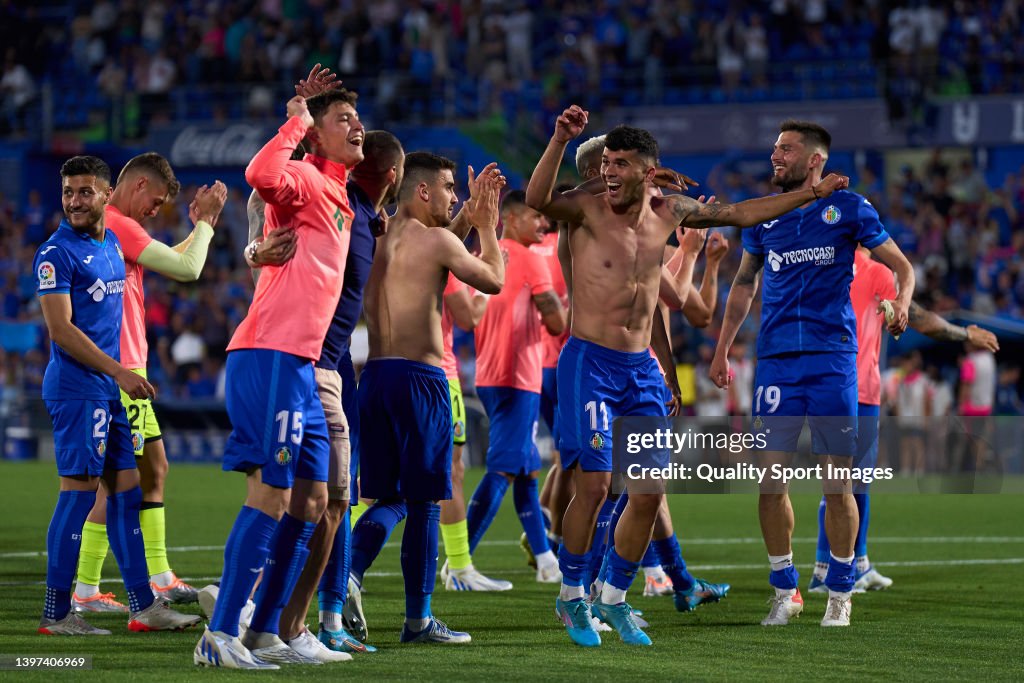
x=682, y=541
x=697, y=568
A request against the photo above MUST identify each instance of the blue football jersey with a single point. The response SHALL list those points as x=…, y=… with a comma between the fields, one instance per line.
x=808, y=267
x=361, y=246
x=92, y=273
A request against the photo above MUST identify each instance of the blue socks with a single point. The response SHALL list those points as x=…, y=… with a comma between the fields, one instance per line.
x=244, y=556
x=841, y=574
x=786, y=579
x=572, y=567
x=125, y=534
x=288, y=553
x=419, y=557
x=484, y=505
x=334, y=583
x=860, y=548
x=371, y=533
x=603, y=537
x=650, y=558
x=63, y=543
x=671, y=560
x=527, y=501
x=621, y=572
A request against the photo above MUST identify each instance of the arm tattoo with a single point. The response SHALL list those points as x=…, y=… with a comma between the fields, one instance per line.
x=750, y=267
x=546, y=302
x=256, y=209
x=692, y=214
x=933, y=325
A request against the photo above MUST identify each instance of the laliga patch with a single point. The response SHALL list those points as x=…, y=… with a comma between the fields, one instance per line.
x=47, y=275
x=831, y=214
x=597, y=441
x=283, y=456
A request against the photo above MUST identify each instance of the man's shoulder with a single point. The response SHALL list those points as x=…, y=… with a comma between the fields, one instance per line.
x=113, y=218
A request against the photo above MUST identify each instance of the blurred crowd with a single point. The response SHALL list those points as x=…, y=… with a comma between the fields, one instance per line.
x=514, y=58
x=965, y=238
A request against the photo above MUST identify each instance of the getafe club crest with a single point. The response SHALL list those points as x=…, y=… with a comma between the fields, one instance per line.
x=597, y=441
x=283, y=456
x=831, y=214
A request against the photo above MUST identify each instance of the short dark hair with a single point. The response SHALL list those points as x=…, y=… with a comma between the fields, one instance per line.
x=811, y=133
x=514, y=200
x=86, y=165
x=381, y=149
x=422, y=165
x=156, y=167
x=319, y=104
x=628, y=138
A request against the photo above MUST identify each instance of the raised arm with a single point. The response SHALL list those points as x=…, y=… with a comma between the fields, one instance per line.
x=716, y=249
x=184, y=262
x=461, y=224
x=677, y=273
x=700, y=305
x=687, y=211
x=64, y=333
x=467, y=309
x=890, y=254
x=486, y=273
x=540, y=193
x=736, y=309
x=269, y=172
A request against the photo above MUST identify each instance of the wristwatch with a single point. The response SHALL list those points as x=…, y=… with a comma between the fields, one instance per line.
x=250, y=251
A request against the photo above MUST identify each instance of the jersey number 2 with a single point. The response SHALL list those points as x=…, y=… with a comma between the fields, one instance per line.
x=99, y=429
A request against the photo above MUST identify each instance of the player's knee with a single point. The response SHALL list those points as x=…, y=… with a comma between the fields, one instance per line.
x=334, y=512
x=647, y=504
x=592, y=490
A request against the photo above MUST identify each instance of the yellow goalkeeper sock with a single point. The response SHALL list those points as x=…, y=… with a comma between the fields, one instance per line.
x=456, y=544
x=94, y=550
x=154, y=536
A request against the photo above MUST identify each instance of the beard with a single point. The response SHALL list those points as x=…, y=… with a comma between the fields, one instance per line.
x=443, y=219
x=789, y=181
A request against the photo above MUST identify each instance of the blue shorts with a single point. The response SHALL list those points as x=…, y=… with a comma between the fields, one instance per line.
x=350, y=404
x=549, y=401
x=596, y=385
x=407, y=407
x=820, y=386
x=91, y=435
x=513, y=416
x=277, y=418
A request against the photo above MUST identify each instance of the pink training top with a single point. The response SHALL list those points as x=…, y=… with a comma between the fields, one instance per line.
x=548, y=248
x=449, y=363
x=134, y=239
x=294, y=303
x=872, y=282
x=979, y=371
x=509, y=349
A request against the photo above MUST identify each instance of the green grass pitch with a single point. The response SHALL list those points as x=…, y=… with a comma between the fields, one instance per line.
x=953, y=613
